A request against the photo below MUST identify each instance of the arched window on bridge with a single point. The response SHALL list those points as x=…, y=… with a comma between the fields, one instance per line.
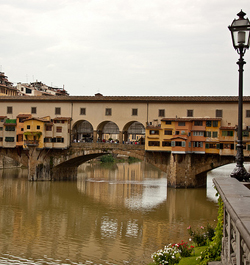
x=134, y=132
x=108, y=131
x=83, y=132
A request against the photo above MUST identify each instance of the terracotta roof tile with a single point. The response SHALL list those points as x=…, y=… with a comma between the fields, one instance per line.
x=172, y=99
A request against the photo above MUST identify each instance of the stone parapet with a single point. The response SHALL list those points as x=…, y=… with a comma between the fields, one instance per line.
x=236, y=229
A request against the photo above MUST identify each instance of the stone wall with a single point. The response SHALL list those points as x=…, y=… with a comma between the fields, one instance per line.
x=236, y=226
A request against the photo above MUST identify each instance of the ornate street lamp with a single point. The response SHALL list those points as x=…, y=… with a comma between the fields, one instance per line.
x=240, y=29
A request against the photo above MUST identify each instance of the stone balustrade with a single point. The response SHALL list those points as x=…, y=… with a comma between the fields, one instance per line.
x=236, y=227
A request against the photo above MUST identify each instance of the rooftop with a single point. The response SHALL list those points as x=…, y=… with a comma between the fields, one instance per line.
x=118, y=99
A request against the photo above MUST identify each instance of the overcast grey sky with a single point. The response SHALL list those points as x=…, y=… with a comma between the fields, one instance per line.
x=123, y=47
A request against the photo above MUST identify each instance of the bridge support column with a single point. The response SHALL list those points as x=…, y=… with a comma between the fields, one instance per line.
x=182, y=173
x=120, y=137
x=125, y=136
x=94, y=136
x=37, y=170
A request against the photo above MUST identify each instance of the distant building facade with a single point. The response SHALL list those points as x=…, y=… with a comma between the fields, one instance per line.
x=39, y=89
x=6, y=87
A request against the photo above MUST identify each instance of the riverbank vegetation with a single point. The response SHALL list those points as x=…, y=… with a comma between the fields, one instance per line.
x=207, y=246
x=111, y=159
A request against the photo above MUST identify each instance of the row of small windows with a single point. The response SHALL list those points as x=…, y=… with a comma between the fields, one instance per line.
x=190, y=113
x=195, y=133
x=46, y=140
x=196, y=144
x=196, y=123
x=53, y=140
x=108, y=112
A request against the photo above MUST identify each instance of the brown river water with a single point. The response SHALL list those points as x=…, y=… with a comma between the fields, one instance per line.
x=117, y=214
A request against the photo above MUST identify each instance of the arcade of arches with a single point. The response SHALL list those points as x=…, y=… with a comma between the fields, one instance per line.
x=132, y=132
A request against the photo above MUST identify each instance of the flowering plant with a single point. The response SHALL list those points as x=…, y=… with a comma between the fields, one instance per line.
x=202, y=236
x=169, y=255
x=184, y=249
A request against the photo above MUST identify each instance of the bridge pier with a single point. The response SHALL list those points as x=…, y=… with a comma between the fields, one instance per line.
x=186, y=170
x=182, y=173
x=37, y=169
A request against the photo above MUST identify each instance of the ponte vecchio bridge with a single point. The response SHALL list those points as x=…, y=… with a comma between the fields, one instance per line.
x=94, y=116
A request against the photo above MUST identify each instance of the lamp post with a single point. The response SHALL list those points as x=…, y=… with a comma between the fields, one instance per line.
x=240, y=29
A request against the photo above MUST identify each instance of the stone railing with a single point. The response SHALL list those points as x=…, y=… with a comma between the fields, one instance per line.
x=236, y=227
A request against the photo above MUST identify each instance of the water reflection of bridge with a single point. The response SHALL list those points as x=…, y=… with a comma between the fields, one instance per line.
x=109, y=207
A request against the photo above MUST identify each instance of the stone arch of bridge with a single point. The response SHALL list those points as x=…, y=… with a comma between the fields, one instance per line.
x=134, y=131
x=106, y=130
x=82, y=131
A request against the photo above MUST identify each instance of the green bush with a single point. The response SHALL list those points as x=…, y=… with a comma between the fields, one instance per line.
x=202, y=236
x=213, y=251
x=107, y=159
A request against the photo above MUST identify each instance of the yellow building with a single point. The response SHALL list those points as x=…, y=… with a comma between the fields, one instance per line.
x=34, y=130
x=212, y=133
x=20, y=128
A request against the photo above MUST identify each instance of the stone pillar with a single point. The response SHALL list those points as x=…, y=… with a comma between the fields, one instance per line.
x=182, y=174
x=120, y=137
x=125, y=136
x=94, y=136
x=37, y=170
